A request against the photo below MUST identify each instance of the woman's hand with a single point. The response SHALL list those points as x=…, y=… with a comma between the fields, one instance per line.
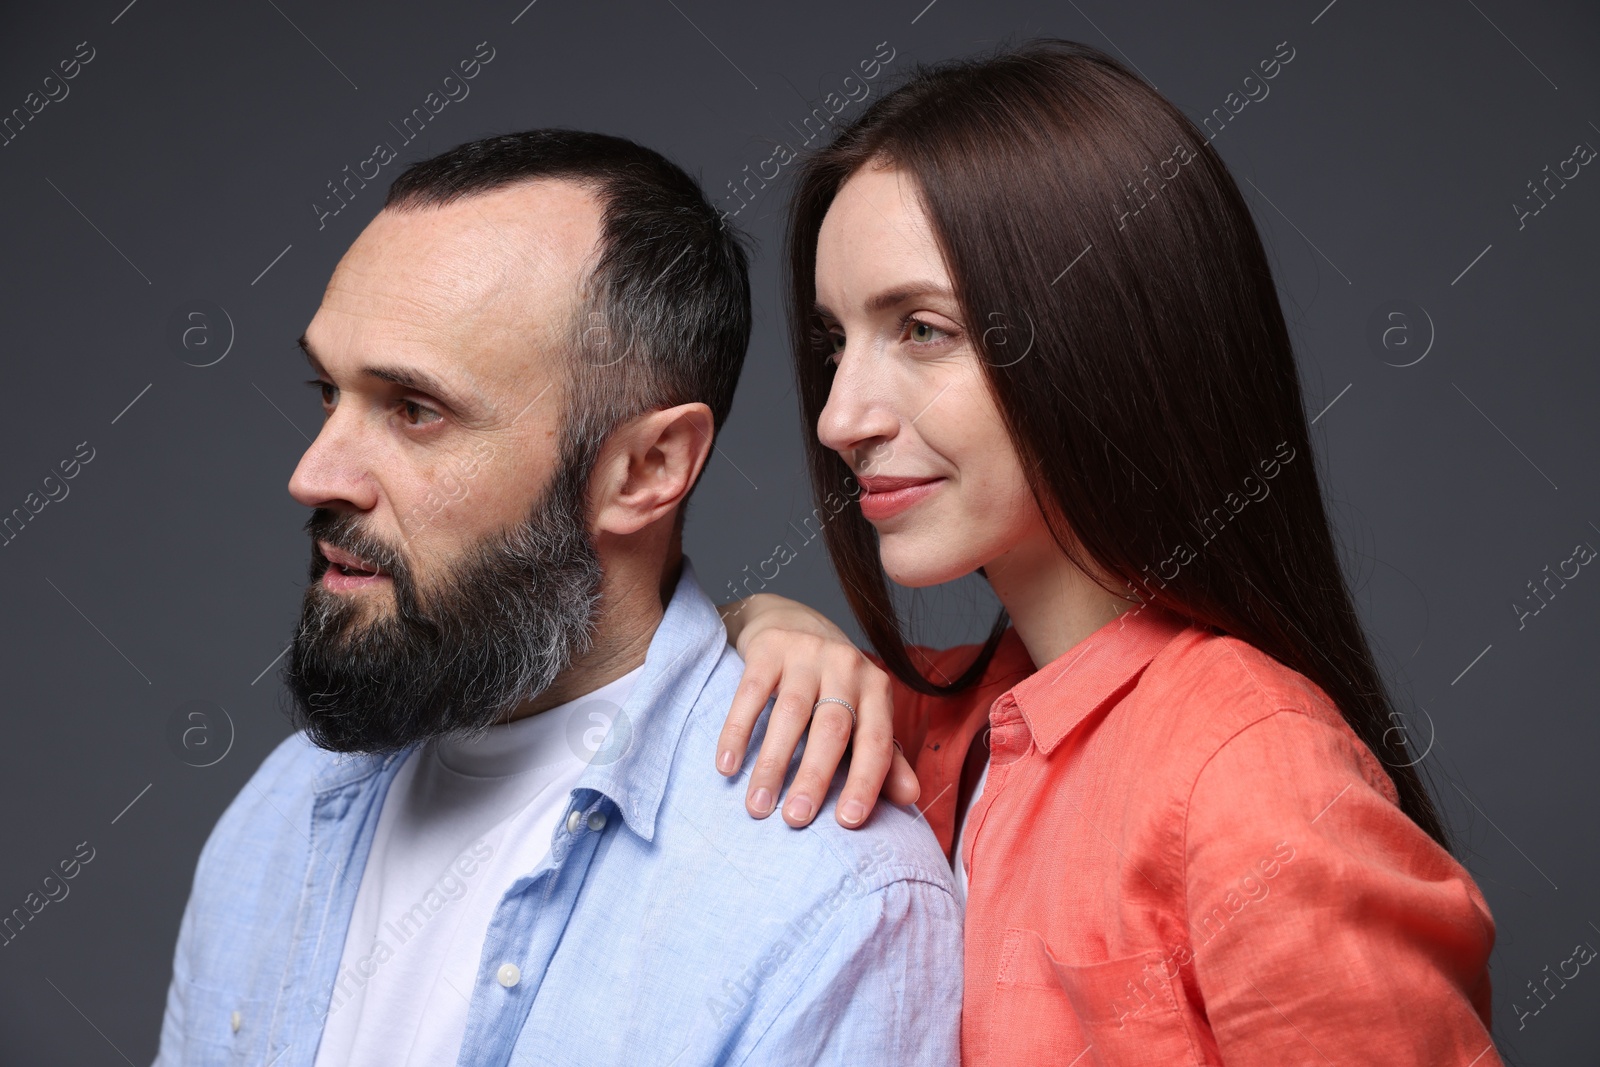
x=797, y=653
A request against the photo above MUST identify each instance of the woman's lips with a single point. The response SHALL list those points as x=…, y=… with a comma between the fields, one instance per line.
x=886, y=497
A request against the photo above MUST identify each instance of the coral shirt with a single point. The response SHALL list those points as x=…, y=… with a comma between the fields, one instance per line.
x=1183, y=855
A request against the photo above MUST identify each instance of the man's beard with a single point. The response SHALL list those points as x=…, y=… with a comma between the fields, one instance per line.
x=496, y=629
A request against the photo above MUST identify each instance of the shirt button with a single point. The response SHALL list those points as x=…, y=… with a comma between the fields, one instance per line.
x=508, y=975
x=237, y=1021
x=597, y=821
x=574, y=821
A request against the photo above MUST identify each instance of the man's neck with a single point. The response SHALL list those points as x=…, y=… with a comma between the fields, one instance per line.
x=632, y=603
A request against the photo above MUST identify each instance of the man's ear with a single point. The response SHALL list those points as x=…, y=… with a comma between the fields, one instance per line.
x=648, y=466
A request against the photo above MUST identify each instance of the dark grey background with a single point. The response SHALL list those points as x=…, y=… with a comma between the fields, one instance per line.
x=1384, y=162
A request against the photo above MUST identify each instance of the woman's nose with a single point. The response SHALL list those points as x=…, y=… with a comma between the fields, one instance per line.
x=859, y=412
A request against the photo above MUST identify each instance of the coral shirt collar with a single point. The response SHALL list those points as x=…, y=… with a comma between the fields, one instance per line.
x=1055, y=699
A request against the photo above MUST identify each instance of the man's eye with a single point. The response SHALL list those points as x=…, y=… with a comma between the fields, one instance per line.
x=327, y=389
x=416, y=414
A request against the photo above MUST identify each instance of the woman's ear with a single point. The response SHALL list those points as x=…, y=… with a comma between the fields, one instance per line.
x=648, y=466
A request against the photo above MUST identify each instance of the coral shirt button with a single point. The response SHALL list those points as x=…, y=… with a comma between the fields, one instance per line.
x=508, y=975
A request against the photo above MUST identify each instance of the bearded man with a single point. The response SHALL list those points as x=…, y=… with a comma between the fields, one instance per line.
x=494, y=837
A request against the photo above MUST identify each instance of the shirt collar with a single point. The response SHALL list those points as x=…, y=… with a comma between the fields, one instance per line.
x=337, y=770
x=632, y=767
x=1059, y=696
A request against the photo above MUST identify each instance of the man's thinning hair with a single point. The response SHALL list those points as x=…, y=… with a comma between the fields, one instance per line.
x=665, y=319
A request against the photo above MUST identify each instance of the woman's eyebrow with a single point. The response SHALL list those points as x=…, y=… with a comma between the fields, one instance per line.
x=890, y=298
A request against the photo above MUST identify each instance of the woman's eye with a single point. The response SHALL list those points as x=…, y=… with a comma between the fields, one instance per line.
x=923, y=332
x=836, y=342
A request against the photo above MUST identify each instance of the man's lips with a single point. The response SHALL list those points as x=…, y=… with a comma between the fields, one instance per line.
x=887, y=495
x=347, y=570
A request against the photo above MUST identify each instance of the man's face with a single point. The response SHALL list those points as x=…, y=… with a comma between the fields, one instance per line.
x=452, y=572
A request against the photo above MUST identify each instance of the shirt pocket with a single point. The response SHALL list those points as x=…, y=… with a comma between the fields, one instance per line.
x=210, y=1039
x=1125, y=1012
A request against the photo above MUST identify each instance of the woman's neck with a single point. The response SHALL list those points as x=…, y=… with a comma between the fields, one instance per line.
x=1052, y=603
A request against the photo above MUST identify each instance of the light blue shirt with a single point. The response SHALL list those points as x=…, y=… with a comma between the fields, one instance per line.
x=665, y=926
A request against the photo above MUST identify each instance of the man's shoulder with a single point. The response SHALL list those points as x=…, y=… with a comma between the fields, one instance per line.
x=745, y=931
x=895, y=845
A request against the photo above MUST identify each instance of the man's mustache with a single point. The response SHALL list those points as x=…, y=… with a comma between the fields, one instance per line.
x=344, y=532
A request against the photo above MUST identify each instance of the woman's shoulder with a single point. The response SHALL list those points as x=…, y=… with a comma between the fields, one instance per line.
x=1231, y=681
x=1221, y=692
x=1205, y=664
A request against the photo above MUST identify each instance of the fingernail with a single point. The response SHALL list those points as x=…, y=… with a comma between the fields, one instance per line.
x=761, y=800
x=800, y=808
x=853, y=811
x=725, y=761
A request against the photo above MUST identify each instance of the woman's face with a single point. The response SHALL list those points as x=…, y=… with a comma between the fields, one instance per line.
x=909, y=409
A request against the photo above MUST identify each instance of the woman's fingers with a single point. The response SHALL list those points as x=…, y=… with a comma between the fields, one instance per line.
x=873, y=752
x=825, y=745
x=902, y=786
x=804, y=668
x=761, y=673
x=786, y=725
x=847, y=676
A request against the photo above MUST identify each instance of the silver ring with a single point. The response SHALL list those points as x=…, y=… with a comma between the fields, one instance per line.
x=836, y=700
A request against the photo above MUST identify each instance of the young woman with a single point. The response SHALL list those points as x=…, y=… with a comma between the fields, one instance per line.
x=1037, y=335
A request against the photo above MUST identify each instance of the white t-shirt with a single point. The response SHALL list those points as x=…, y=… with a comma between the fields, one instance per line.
x=961, y=868
x=461, y=822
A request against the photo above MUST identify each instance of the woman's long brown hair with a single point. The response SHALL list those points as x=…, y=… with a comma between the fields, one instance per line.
x=1118, y=294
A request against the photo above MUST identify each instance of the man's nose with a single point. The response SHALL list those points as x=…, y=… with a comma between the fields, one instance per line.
x=334, y=471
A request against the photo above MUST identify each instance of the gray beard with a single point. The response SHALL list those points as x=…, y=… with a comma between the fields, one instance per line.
x=495, y=630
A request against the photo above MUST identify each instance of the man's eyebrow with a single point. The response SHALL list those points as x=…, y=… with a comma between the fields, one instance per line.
x=408, y=377
x=890, y=298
